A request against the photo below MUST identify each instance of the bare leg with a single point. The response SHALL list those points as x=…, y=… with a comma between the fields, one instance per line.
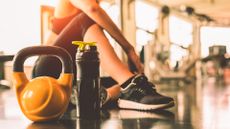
x=109, y=60
x=114, y=92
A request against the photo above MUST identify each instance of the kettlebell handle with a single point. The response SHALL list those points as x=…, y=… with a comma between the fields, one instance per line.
x=27, y=52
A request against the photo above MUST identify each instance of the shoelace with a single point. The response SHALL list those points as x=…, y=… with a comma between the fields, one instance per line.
x=147, y=87
x=142, y=84
x=140, y=91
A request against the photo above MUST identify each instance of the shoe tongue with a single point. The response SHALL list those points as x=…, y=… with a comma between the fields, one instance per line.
x=140, y=79
x=143, y=82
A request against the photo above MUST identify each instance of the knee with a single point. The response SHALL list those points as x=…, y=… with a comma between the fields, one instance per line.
x=91, y=31
x=94, y=27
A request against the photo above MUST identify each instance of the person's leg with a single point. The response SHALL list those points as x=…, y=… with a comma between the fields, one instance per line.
x=51, y=66
x=114, y=92
x=134, y=91
x=108, y=58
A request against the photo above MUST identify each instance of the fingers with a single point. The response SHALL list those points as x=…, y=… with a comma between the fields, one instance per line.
x=135, y=64
x=140, y=68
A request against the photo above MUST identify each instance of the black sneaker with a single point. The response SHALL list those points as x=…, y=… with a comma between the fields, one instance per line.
x=104, y=95
x=142, y=95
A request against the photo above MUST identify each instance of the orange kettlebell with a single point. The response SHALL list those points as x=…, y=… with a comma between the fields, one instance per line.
x=43, y=98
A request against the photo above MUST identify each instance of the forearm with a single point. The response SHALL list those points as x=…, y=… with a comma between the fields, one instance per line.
x=105, y=22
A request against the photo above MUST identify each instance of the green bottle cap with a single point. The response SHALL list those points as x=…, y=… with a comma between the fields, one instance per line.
x=82, y=44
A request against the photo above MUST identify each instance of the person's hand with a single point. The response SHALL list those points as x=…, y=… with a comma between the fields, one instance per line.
x=134, y=60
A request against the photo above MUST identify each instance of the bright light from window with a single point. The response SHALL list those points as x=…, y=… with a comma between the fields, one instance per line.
x=180, y=31
x=146, y=16
x=142, y=38
x=146, y=19
x=176, y=54
x=214, y=36
x=180, y=34
x=20, y=24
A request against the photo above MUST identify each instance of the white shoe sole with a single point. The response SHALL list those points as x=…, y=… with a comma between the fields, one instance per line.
x=134, y=114
x=126, y=104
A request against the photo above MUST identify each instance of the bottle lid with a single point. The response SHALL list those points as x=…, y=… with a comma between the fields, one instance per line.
x=82, y=45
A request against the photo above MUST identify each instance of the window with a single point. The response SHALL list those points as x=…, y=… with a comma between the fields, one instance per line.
x=180, y=36
x=146, y=24
x=20, y=24
x=214, y=36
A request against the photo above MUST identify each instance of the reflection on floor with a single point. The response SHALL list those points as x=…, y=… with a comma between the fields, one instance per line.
x=202, y=105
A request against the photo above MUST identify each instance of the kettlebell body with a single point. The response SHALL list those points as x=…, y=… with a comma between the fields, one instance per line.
x=43, y=98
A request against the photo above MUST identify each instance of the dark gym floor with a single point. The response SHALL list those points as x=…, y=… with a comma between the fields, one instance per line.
x=201, y=105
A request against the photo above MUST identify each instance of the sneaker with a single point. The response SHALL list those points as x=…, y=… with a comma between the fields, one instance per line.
x=104, y=95
x=140, y=94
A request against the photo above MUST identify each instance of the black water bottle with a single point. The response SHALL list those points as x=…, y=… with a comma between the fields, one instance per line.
x=88, y=81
